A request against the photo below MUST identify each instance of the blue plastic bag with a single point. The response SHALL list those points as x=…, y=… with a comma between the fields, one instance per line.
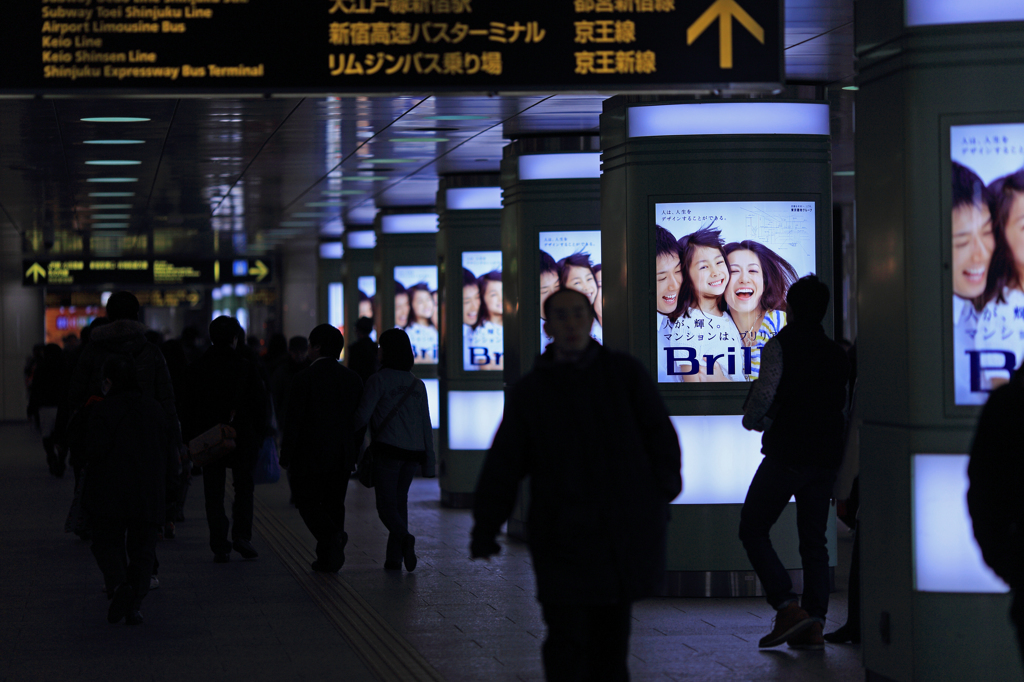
x=267, y=469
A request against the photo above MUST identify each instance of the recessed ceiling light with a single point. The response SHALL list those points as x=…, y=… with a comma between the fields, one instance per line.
x=387, y=161
x=111, y=216
x=109, y=226
x=418, y=139
x=114, y=141
x=453, y=117
x=112, y=162
x=115, y=119
x=112, y=180
x=102, y=206
x=111, y=194
x=341, y=192
x=319, y=204
x=364, y=178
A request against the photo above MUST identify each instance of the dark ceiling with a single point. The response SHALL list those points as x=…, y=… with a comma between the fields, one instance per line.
x=245, y=175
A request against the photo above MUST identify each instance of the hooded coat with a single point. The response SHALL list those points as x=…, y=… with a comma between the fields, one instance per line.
x=604, y=462
x=125, y=337
x=130, y=463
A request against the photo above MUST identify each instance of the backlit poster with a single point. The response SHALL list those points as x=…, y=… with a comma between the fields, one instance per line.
x=416, y=309
x=367, y=288
x=571, y=260
x=722, y=270
x=483, y=345
x=987, y=167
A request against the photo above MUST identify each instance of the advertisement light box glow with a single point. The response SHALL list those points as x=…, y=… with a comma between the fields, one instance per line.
x=559, y=166
x=408, y=223
x=722, y=270
x=934, y=12
x=416, y=309
x=433, y=387
x=362, y=239
x=946, y=555
x=987, y=259
x=336, y=305
x=730, y=118
x=474, y=418
x=469, y=198
x=572, y=260
x=719, y=458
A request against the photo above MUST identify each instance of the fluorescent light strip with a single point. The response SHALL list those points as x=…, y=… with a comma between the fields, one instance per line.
x=387, y=161
x=108, y=206
x=729, y=118
x=111, y=216
x=937, y=12
x=104, y=162
x=114, y=141
x=559, y=166
x=362, y=239
x=321, y=204
x=115, y=119
x=112, y=180
x=111, y=194
x=472, y=198
x=418, y=139
x=109, y=226
x=409, y=223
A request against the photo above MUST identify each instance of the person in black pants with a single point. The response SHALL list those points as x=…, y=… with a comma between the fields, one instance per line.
x=588, y=427
x=320, y=444
x=996, y=473
x=803, y=382
x=223, y=387
x=130, y=464
x=394, y=404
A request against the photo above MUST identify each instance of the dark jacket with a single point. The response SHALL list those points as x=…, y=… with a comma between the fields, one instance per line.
x=996, y=472
x=124, y=337
x=224, y=388
x=808, y=428
x=281, y=385
x=129, y=460
x=604, y=462
x=362, y=357
x=319, y=432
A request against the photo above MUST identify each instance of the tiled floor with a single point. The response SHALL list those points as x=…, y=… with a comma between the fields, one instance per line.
x=254, y=621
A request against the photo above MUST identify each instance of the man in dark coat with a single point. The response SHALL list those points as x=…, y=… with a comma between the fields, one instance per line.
x=130, y=464
x=588, y=427
x=320, y=443
x=124, y=335
x=996, y=472
x=362, y=355
x=224, y=388
x=802, y=381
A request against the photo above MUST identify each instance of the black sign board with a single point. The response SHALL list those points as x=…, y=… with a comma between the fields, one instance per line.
x=100, y=271
x=388, y=45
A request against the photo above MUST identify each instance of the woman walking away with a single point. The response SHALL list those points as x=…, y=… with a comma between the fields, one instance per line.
x=394, y=404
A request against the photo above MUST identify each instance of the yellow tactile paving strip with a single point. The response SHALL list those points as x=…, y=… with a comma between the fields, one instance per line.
x=384, y=652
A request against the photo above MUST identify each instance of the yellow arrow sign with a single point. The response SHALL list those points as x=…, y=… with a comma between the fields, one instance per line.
x=260, y=270
x=724, y=11
x=35, y=272
x=216, y=271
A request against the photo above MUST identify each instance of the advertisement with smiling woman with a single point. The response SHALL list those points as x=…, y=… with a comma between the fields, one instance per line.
x=722, y=270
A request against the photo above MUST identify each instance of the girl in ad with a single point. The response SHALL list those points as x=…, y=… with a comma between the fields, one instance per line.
x=416, y=284
x=483, y=340
x=577, y=259
x=703, y=335
x=758, y=281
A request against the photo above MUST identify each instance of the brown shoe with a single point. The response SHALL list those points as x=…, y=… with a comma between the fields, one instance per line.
x=810, y=639
x=790, y=621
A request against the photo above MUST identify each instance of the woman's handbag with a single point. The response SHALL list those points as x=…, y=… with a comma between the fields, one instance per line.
x=365, y=472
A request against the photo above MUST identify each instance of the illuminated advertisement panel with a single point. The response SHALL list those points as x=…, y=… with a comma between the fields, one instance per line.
x=571, y=260
x=367, y=288
x=987, y=263
x=483, y=345
x=416, y=309
x=722, y=270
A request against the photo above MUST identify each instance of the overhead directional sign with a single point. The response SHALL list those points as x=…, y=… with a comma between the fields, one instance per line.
x=387, y=45
x=724, y=11
x=101, y=271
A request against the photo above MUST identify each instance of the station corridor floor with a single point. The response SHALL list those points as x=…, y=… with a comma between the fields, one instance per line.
x=275, y=619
